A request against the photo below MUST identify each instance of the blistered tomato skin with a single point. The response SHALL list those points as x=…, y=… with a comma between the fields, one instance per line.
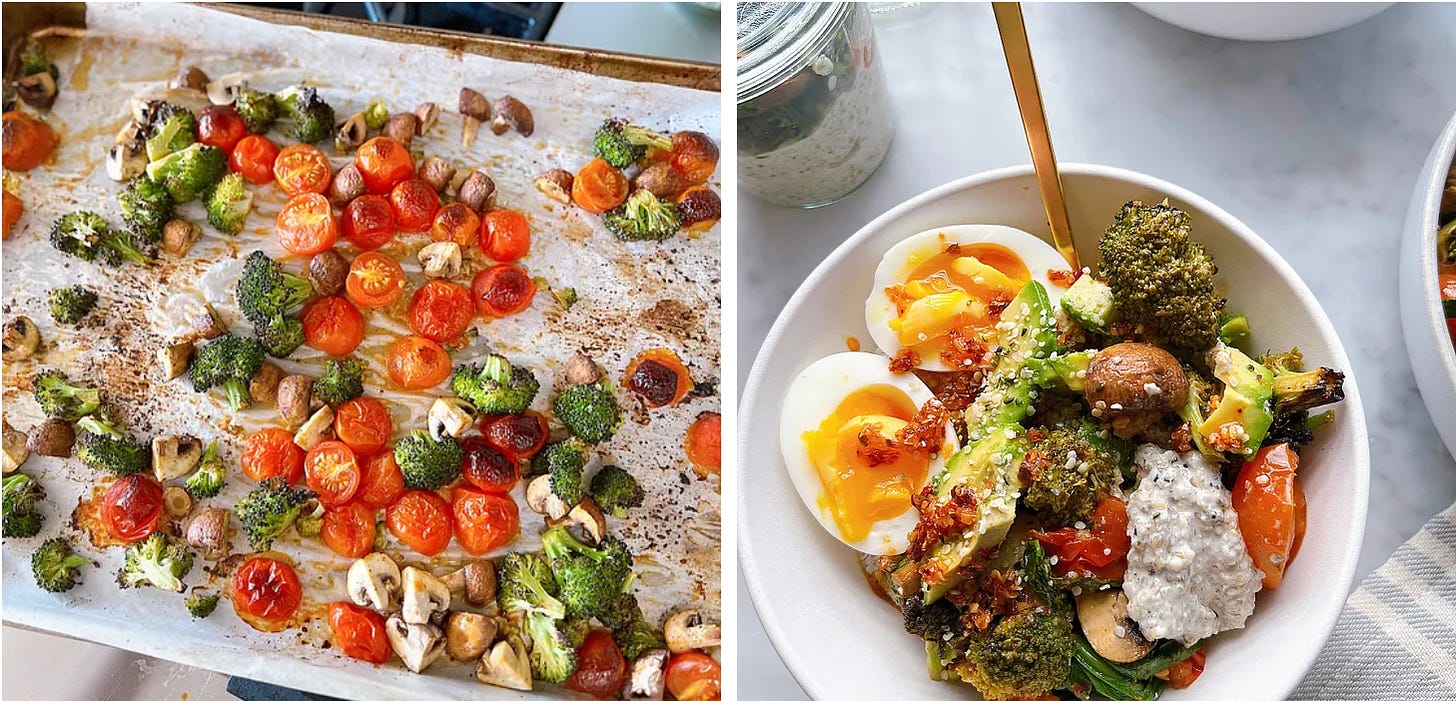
x=368, y=222
x=414, y=203
x=487, y=468
x=440, y=311
x=517, y=435
x=502, y=290
x=359, y=632
x=383, y=163
x=266, y=589
x=132, y=508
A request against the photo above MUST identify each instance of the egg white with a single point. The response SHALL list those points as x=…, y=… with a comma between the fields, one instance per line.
x=898, y=262
x=814, y=396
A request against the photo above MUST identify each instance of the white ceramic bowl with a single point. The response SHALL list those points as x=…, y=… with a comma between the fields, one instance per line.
x=841, y=642
x=1263, y=21
x=1426, y=339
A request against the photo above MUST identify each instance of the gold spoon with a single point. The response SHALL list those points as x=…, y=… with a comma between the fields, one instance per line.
x=1033, y=119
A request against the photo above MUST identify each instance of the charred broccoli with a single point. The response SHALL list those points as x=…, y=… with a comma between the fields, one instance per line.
x=209, y=478
x=189, y=173
x=69, y=305
x=280, y=336
x=228, y=362
x=496, y=386
x=62, y=400
x=1297, y=389
x=157, y=562
x=553, y=657
x=171, y=132
x=426, y=462
x=342, y=380
x=55, y=566
x=630, y=629
x=202, y=605
x=621, y=143
x=565, y=461
x=266, y=295
x=228, y=204
x=590, y=411
x=313, y=118
x=88, y=237
x=525, y=584
x=591, y=580
x=146, y=207
x=103, y=446
x=20, y=499
x=615, y=490
x=643, y=217
x=269, y=509
x=375, y=114
x=257, y=108
x=1073, y=469
x=1161, y=279
x=1023, y=655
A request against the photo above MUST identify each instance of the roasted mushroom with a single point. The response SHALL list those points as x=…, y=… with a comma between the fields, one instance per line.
x=316, y=429
x=417, y=644
x=474, y=582
x=189, y=78
x=661, y=180
x=425, y=117
x=1133, y=385
x=210, y=533
x=688, y=630
x=15, y=450
x=223, y=90
x=348, y=184
x=126, y=161
x=21, y=338
x=645, y=681
x=468, y=635
x=1112, y=633
x=179, y=235
x=506, y=665
x=542, y=500
x=581, y=370
x=402, y=127
x=51, y=438
x=556, y=184
x=374, y=581
x=437, y=172
x=295, y=397
x=473, y=110
x=174, y=358
x=477, y=192
x=328, y=271
x=449, y=418
x=175, y=456
x=589, y=516
x=441, y=259
x=264, y=385
x=511, y=113
x=351, y=133
x=37, y=90
x=207, y=323
x=424, y=596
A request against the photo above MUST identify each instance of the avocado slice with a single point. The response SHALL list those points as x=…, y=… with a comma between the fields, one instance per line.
x=1027, y=330
x=1247, y=398
x=1089, y=303
x=990, y=468
x=1062, y=371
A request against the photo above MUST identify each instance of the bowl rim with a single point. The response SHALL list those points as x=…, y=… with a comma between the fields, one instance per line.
x=1344, y=578
x=1428, y=194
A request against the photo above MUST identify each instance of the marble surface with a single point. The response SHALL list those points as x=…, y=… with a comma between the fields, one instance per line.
x=1315, y=144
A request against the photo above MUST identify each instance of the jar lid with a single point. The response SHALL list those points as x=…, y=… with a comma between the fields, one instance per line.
x=777, y=39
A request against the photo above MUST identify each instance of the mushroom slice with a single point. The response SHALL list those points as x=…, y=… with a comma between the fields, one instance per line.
x=688, y=630
x=125, y=161
x=423, y=596
x=506, y=665
x=21, y=338
x=589, y=516
x=441, y=259
x=315, y=429
x=646, y=680
x=16, y=452
x=207, y=323
x=264, y=385
x=210, y=533
x=475, y=581
x=417, y=644
x=556, y=184
x=544, y=501
x=437, y=172
x=37, y=90
x=174, y=358
x=1112, y=633
x=448, y=417
x=426, y=115
x=351, y=133
x=468, y=635
x=401, y=127
x=175, y=456
x=374, y=581
x=52, y=438
x=223, y=90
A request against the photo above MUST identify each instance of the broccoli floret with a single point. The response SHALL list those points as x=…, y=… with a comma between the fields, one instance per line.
x=280, y=336
x=171, y=133
x=1290, y=427
x=525, y=584
x=375, y=114
x=103, y=446
x=1072, y=470
x=55, y=566
x=266, y=292
x=938, y=621
x=228, y=362
x=157, y=562
x=1024, y=655
x=62, y=400
x=257, y=108
x=496, y=386
x=590, y=580
x=343, y=379
x=34, y=60
x=1297, y=389
x=553, y=658
x=615, y=490
x=565, y=461
x=630, y=629
x=20, y=499
x=426, y=462
x=590, y=411
x=311, y=524
x=643, y=217
x=313, y=118
x=189, y=173
x=82, y=234
x=146, y=207
x=209, y=478
x=201, y=605
x=269, y=509
x=621, y=143
x=229, y=204
x=69, y=305
x=1162, y=280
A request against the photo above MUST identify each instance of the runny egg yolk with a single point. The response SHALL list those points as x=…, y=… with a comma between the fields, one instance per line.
x=868, y=476
x=959, y=288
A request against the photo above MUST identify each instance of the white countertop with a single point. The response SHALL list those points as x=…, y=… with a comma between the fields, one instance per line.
x=1314, y=144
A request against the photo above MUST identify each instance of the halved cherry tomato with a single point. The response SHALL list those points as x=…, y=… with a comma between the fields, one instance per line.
x=28, y=142
x=271, y=452
x=416, y=362
x=220, y=126
x=517, y=435
x=1097, y=551
x=368, y=222
x=332, y=325
x=253, y=158
x=704, y=443
x=441, y=311
x=306, y=225
x=1186, y=671
x=375, y=280
x=599, y=187
x=693, y=676
x=487, y=468
x=384, y=163
x=455, y=222
x=414, y=203
x=383, y=482
x=658, y=376
x=363, y=424
x=302, y=168
x=421, y=520
x=483, y=522
x=132, y=508
x=359, y=632
x=505, y=235
x=694, y=156
x=13, y=209
x=1271, y=510
x=348, y=529
x=332, y=470
x=502, y=290
x=600, y=668
x=266, y=589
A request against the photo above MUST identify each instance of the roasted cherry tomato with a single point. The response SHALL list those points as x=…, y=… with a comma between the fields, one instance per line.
x=253, y=158
x=332, y=325
x=600, y=668
x=306, y=225
x=704, y=443
x=332, y=470
x=375, y=280
x=483, y=522
x=1446, y=281
x=132, y=508
x=359, y=632
x=384, y=163
x=421, y=520
x=502, y=290
x=517, y=435
x=693, y=676
x=368, y=222
x=1100, y=550
x=266, y=590
x=455, y=222
x=271, y=452
x=363, y=424
x=599, y=187
x=694, y=156
x=302, y=168
x=28, y=142
x=220, y=126
x=1186, y=671
x=416, y=362
x=441, y=311
x=13, y=209
x=505, y=235
x=383, y=482
x=658, y=376
x=414, y=203
x=348, y=529
x=1271, y=510
x=487, y=468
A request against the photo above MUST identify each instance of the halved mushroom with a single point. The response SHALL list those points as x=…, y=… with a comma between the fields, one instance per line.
x=295, y=397
x=174, y=358
x=175, y=456
x=474, y=109
x=179, y=235
x=189, y=78
x=207, y=323
x=645, y=681
x=401, y=127
x=351, y=133
x=16, y=453
x=426, y=115
x=1112, y=633
x=374, y=581
x=223, y=90
x=21, y=338
x=424, y=595
x=441, y=259
x=51, y=438
x=264, y=385
x=468, y=635
x=348, y=184
x=474, y=582
x=37, y=90
x=328, y=270
x=437, y=172
x=315, y=429
x=544, y=501
x=589, y=516
x=449, y=417
x=176, y=501
x=131, y=133
x=688, y=630
x=556, y=184
x=506, y=665
x=511, y=113
x=477, y=191
x=210, y=533
x=125, y=161
x=417, y=644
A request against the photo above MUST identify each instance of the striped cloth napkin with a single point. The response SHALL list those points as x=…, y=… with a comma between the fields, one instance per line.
x=1396, y=640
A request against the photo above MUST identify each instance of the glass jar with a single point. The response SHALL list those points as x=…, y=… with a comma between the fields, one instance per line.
x=814, y=117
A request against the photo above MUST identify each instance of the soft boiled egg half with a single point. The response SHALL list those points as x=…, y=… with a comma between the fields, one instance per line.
x=953, y=279
x=838, y=436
